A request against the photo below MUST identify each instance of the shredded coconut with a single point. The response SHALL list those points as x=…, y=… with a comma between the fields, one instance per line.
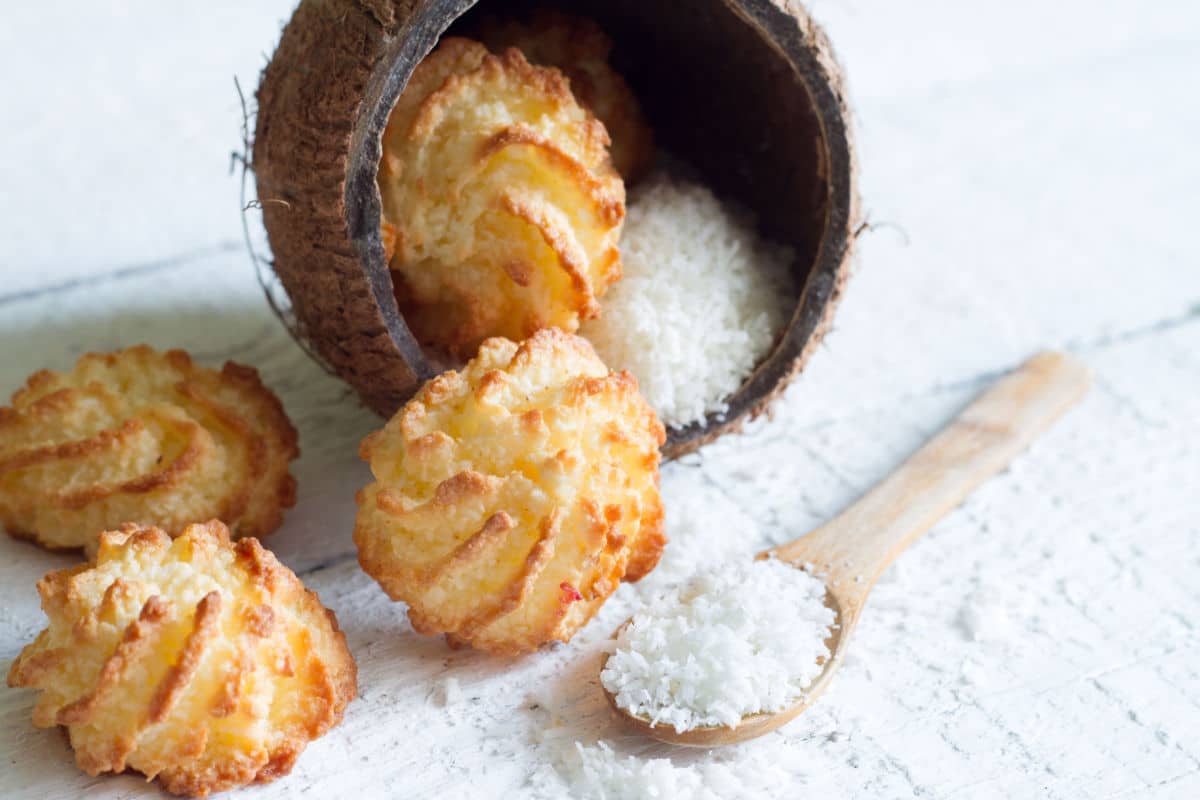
x=698, y=524
x=599, y=773
x=700, y=302
x=987, y=614
x=738, y=640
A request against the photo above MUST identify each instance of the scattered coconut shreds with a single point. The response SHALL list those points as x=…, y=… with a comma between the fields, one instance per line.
x=450, y=692
x=698, y=524
x=699, y=304
x=598, y=773
x=741, y=639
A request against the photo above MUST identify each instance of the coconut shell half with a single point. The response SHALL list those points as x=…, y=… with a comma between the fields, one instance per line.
x=746, y=91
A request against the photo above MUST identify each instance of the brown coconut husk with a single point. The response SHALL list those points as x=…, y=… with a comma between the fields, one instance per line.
x=747, y=91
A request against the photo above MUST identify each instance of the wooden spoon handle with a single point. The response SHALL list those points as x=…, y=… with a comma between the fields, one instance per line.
x=859, y=544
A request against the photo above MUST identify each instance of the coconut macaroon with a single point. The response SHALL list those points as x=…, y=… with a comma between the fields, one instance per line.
x=501, y=207
x=143, y=436
x=578, y=47
x=511, y=498
x=201, y=663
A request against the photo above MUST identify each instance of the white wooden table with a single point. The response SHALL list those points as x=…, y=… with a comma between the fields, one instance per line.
x=1033, y=169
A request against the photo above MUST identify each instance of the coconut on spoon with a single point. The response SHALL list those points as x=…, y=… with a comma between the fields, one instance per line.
x=721, y=666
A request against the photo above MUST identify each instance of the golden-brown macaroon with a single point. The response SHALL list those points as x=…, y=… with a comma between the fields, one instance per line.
x=511, y=498
x=201, y=663
x=501, y=207
x=143, y=436
x=578, y=47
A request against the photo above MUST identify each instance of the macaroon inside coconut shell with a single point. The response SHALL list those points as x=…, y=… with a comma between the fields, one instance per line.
x=746, y=91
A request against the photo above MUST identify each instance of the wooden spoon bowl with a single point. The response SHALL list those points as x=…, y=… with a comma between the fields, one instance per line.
x=753, y=725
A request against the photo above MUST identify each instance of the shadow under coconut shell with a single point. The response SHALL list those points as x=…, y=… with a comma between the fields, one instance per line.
x=328, y=415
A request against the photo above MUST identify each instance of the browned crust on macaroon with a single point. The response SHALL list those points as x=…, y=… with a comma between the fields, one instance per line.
x=205, y=626
x=580, y=49
x=259, y=604
x=170, y=475
x=213, y=416
x=610, y=205
x=570, y=259
x=134, y=644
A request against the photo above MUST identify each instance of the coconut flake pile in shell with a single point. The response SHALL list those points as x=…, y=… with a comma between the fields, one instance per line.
x=203, y=663
x=143, y=436
x=745, y=91
x=511, y=498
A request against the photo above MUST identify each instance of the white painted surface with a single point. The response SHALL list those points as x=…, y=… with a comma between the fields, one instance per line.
x=1043, y=641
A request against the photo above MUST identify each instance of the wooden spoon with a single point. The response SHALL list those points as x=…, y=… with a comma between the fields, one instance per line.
x=851, y=551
